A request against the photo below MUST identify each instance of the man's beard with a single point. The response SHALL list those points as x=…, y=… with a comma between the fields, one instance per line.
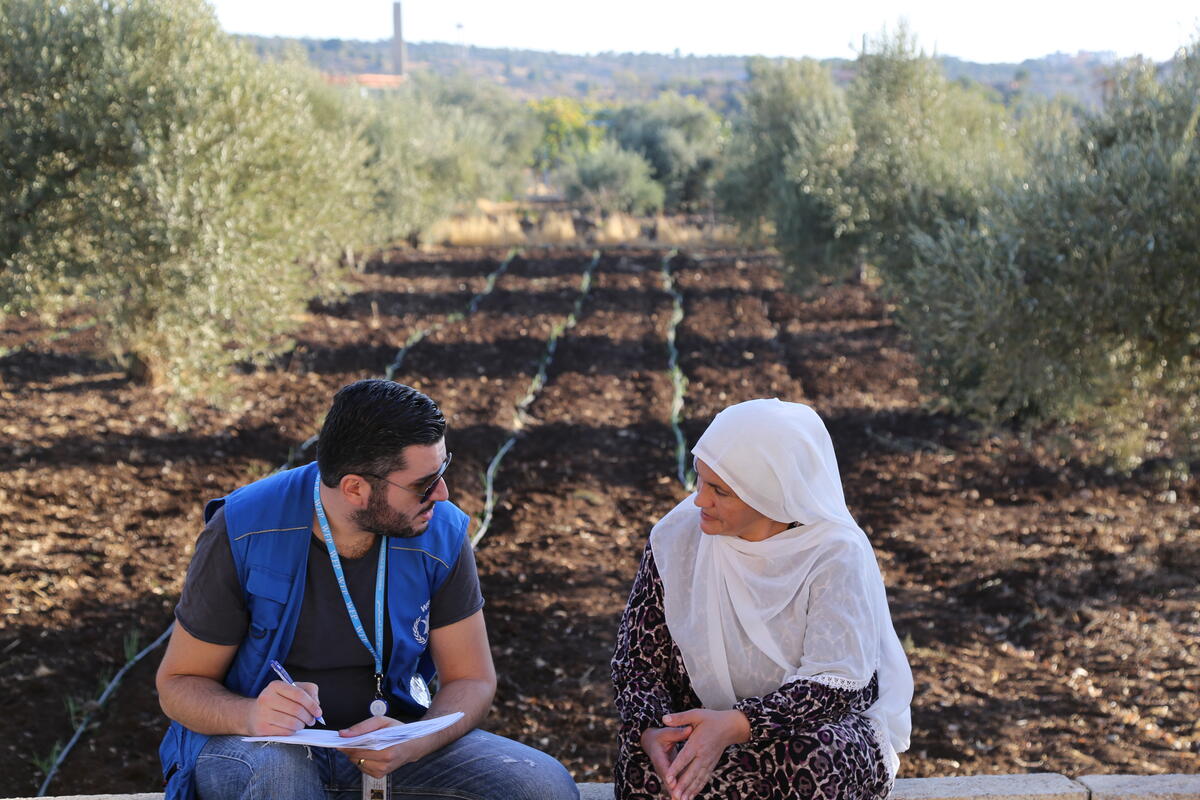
x=381, y=519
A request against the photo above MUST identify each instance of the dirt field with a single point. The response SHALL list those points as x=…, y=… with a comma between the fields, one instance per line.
x=1051, y=610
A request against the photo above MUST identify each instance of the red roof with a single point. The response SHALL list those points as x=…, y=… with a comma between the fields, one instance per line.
x=369, y=80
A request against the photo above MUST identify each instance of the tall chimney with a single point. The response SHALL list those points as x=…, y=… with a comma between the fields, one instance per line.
x=397, y=41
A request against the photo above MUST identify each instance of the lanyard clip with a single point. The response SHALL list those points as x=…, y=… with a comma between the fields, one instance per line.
x=379, y=706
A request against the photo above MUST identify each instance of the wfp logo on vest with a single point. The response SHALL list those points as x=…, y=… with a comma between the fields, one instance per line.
x=420, y=628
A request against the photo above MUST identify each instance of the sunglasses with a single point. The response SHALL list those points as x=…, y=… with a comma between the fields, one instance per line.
x=428, y=491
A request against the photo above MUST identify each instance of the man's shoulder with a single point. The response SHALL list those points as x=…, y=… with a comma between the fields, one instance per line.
x=446, y=532
x=297, y=480
x=278, y=503
x=449, y=518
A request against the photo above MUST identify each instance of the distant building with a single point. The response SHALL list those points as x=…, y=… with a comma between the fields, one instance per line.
x=368, y=80
x=381, y=82
x=378, y=81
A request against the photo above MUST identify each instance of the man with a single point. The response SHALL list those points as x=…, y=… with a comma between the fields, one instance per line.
x=292, y=568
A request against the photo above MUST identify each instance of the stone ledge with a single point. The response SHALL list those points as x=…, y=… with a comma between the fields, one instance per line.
x=1142, y=787
x=1036, y=786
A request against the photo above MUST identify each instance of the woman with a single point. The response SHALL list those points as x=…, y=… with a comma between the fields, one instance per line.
x=756, y=657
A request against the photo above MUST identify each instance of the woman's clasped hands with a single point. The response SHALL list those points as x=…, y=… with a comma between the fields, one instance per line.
x=685, y=753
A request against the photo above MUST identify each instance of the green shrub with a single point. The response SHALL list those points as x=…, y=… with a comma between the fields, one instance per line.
x=568, y=130
x=160, y=174
x=425, y=160
x=511, y=131
x=680, y=137
x=612, y=179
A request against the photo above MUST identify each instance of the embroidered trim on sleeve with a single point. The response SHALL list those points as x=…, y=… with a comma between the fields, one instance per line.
x=833, y=682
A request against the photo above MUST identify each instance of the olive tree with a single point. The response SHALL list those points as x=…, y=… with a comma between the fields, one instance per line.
x=1074, y=297
x=785, y=167
x=926, y=148
x=843, y=177
x=158, y=174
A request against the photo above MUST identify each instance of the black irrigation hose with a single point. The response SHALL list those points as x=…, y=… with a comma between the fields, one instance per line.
x=686, y=476
x=417, y=336
x=535, y=386
x=87, y=718
x=296, y=453
x=489, y=479
x=293, y=455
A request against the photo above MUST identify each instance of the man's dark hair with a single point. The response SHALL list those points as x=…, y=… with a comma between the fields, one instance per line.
x=369, y=425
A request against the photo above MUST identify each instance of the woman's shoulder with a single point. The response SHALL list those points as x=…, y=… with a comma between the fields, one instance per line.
x=677, y=524
x=843, y=543
x=674, y=539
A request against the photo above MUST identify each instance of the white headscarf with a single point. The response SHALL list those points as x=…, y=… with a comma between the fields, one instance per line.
x=804, y=604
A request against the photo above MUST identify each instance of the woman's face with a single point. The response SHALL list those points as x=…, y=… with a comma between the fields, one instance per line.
x=722, y=513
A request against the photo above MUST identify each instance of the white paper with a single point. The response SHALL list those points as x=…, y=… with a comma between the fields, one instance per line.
x=375, y=740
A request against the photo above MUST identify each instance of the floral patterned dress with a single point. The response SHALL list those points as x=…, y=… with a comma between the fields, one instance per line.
x=807, y=739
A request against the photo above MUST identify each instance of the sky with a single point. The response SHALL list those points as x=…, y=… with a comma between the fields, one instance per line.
x=989, y=32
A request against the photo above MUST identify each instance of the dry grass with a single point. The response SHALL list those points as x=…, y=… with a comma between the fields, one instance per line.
x=555, y=227
x=508, y=224
x=681, y=233
x=477, y=230
x=618, y=229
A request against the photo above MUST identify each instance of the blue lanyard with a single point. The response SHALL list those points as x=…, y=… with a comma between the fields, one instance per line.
x=376, y=651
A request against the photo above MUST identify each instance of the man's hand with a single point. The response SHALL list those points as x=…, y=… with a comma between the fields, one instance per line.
x=282, y=709
x=659, y=744
x=468, y=680
x=378, y=763
x=711, y=733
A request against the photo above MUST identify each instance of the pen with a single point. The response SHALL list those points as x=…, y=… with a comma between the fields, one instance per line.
x=282, y=673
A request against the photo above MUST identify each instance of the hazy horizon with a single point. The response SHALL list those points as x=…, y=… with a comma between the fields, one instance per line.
x=1011, y=33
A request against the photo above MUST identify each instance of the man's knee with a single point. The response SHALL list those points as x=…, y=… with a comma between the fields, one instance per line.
x=538, y=776
x=554, y=782
x=230, y=769
x=507, y=770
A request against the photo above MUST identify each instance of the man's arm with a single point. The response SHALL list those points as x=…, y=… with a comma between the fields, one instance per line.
x=468, y=684
x=466, y=676
x=191, y=693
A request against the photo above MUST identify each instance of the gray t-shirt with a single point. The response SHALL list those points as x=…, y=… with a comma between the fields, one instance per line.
x=326, y=650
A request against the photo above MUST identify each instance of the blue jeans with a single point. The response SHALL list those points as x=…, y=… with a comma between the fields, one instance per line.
x=479, y=766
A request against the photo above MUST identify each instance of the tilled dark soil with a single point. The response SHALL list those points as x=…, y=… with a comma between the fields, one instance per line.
x=1050, y=609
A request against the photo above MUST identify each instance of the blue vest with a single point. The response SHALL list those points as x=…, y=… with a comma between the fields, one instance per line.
x=270, y=526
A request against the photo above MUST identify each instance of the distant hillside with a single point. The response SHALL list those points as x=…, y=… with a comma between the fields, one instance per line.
x=627, y=77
